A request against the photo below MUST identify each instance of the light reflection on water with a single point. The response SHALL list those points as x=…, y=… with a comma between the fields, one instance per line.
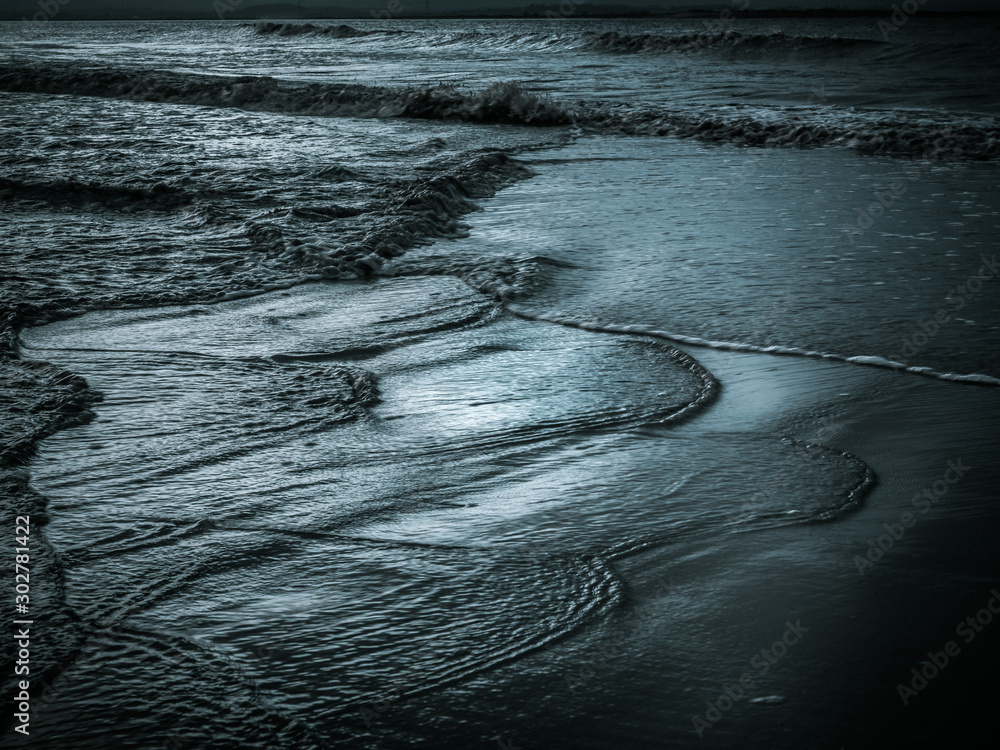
x=470, y=518
x=267, y=526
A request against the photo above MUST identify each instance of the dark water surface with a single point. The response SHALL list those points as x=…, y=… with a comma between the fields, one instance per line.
x=452, y=383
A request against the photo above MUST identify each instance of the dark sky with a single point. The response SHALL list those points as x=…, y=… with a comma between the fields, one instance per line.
x=455, y=5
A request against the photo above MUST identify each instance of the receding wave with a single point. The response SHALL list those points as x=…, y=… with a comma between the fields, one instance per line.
x=733, y=346
x=417, y=213
x=894, y=132
x=298, y=241
x=40, y=399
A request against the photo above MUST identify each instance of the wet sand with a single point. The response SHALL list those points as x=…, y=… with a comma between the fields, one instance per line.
x=693, y=615
x=837, y=686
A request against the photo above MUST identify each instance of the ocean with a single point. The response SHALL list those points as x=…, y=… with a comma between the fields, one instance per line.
x=500, y=383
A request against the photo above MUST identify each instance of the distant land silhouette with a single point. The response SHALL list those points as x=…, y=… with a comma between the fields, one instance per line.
x=388, y=9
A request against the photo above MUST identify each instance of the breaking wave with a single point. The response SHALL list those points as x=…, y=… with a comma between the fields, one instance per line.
x=343, y=31
x=897, y=133
x=296, y=243
x=415, y=214
x=613, y=41
x=872, y=133
x=507, y=103
x=607, y=42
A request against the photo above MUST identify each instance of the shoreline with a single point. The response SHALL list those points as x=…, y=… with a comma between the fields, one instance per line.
x=869, y=627
x=829, y=403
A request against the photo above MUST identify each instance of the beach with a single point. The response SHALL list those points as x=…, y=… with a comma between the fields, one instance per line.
x=615, y=405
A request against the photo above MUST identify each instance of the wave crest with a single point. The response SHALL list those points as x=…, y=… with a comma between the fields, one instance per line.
x=871, y=134
x=343, y=31
x=613, y=41
x=917, y=135
x=507, y=103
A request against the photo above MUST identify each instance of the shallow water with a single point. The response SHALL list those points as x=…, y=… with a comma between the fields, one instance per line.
x=456, y=415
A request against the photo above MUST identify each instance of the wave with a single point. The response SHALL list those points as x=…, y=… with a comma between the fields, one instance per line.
x=39, y=399
x=416, y=213
x=509, y=279
x=613, y=41
x=293, y=243
x=896, y=133
x=731, y=346
x=607, y=42
x=505, y=103
x=343, y=31
x=921, y=137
